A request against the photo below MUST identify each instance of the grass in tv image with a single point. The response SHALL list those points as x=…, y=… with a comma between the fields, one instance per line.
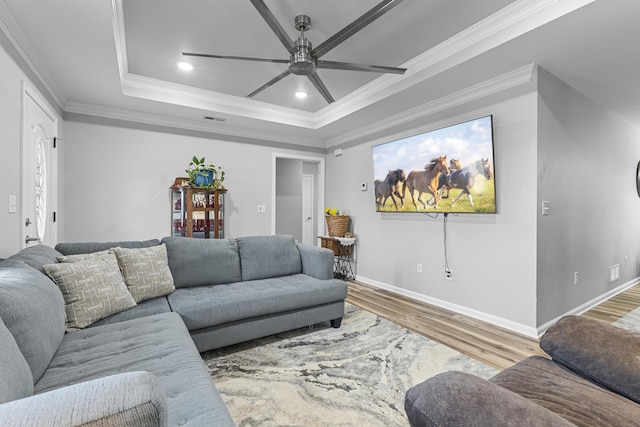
x=448, y=170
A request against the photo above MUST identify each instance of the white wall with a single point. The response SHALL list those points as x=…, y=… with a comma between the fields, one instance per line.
x=492, y=256
x=117, y=181
x=587, y=163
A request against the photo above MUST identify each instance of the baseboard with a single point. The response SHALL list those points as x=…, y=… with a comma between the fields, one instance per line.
x=519, y=328
x=590, y=304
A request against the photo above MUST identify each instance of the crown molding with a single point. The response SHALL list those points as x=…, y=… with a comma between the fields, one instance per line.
x=489, y=87
x=506, y=24
x=21, y=43
x=187, y=96
x=215, y=128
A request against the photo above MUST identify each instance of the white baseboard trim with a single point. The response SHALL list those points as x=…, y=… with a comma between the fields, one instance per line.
x=519, y=328
x=590, y=304
x=489, y=318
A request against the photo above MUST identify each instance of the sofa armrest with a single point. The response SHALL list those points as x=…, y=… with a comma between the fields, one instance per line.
x=605, y=354
x=316, y=262
x=131, y=399
x=461, y=399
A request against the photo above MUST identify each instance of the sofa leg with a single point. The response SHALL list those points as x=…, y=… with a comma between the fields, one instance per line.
x=335, y=323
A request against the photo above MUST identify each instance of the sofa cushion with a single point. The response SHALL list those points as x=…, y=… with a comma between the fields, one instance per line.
x=144, y=308
x=197, y=262
x=598, y=351
x=32, y=308
x=158, y=344
x=571, y=396
x=88, y=247
x=37, y=256
x=16, y=380
x=92, y=289
x=205, y=306
x=145, y=271
x=262, y=257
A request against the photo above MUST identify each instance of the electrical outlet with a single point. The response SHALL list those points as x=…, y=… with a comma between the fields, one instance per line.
x=575, y=278
x=448, y=274
x=418, y=268
x=614, y=273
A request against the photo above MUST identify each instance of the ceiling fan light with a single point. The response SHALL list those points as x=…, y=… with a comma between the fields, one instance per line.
x=184, y=65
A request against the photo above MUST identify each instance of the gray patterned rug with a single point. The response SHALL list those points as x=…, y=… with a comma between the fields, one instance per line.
x=352, y=376
x=630, y=321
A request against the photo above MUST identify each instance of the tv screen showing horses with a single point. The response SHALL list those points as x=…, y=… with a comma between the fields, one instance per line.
x=445, y=170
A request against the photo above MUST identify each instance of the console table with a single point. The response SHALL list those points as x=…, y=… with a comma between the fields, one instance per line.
x=344, y=259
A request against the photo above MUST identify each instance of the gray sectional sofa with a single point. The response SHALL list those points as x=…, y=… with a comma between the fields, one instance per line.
x=592, y=378
x=141, y=365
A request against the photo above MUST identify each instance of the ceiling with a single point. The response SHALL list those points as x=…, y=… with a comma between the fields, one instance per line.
x=117, y=59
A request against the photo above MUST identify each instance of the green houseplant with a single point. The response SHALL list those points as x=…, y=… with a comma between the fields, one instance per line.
x=203, y=174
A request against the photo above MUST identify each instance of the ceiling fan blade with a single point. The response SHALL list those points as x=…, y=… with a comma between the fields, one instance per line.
x=333, y=65
x=275, y=26
x=241, y=58
x=342, y=35
x=317, y=82
x=271, y=82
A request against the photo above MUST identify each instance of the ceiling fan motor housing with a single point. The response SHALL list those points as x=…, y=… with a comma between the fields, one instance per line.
x=301, y=61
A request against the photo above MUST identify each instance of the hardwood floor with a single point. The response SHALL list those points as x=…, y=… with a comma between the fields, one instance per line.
x=482, y=341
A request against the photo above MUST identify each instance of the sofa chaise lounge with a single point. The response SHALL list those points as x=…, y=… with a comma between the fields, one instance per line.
x=141, y=365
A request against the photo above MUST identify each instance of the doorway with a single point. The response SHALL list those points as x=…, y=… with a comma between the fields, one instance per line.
x=298, y=196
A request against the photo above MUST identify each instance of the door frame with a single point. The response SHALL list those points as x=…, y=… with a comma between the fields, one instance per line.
x=320, y=163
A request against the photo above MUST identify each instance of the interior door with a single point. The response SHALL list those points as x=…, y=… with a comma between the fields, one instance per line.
x=307, y=209
x=39, y=184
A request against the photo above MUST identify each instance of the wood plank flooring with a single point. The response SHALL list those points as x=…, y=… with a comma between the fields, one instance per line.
x=482, y=341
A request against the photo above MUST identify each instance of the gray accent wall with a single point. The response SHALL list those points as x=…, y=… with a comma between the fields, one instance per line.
x=587, y=161
x=492, y=257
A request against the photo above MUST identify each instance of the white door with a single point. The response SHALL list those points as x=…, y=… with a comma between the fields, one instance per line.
x=307, y=209
x=39, y=183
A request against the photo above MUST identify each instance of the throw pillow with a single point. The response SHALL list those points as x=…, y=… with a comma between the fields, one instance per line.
x=81, y=257
x=92, y=289
x=146, y=271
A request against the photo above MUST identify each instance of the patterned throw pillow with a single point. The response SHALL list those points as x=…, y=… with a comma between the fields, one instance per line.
x=146, y=271
x=81, y=257
x=92, y=289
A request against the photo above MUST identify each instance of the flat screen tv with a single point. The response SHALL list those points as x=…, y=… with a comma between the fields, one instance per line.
x=448, y=170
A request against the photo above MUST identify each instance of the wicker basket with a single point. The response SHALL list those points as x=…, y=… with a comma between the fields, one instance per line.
x=337, y=225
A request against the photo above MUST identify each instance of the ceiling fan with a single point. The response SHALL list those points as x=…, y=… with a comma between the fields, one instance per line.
x=303, y=58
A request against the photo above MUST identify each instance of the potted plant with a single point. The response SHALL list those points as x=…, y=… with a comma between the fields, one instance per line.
x=203, y=174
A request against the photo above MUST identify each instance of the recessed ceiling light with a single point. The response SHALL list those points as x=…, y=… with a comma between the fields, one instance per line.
x=184, y=66
x=301, y=95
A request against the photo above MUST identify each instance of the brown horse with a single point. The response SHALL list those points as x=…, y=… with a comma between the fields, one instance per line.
x=426, y=181
x=464, y=179
x=389, y=187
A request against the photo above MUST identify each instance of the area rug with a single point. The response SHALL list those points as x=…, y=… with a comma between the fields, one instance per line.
x=630, y=321
x=352, y=376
